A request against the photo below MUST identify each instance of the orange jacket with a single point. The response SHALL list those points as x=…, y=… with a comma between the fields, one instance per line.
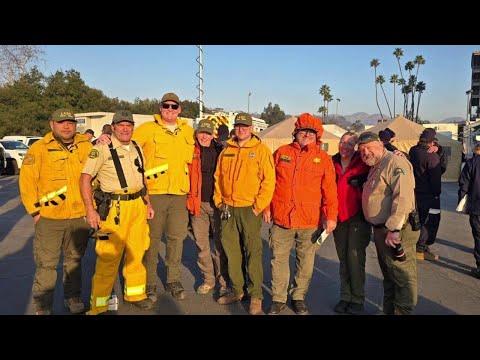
x=245, y=176
x=305, y=187
x=194, y=197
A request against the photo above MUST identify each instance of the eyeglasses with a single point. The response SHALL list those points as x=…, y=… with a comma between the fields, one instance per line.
x=168, y=106
x=307, y=133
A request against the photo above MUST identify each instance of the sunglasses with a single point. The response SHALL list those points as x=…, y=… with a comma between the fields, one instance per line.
x=168, y=106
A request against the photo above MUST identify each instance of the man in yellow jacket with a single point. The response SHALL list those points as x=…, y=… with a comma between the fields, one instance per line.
x=49, y=186
x=244, y=185
x=167, y=140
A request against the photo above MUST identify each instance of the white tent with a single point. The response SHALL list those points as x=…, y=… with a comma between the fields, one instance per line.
x=407, y=134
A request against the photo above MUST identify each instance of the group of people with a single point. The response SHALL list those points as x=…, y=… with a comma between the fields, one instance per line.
x=136, y=185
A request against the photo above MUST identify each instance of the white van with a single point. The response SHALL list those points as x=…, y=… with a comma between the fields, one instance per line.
x=27, y=140
x=14, y=154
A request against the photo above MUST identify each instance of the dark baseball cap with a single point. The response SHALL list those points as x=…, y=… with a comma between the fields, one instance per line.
x=429, y=135
x=122, y=115
x=89, y=131
x=367, y=137
x=384, y=135
x=391, y=132
x=243, y=119
x=170, y=97
x=63, y=115
x=206, y=125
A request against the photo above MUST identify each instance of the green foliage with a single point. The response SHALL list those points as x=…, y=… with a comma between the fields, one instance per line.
x=272, y=114
x=27, y=104
x=357, y=127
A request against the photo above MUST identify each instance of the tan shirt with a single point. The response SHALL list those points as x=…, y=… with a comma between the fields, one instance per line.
x=388, y=194
x=100, y=164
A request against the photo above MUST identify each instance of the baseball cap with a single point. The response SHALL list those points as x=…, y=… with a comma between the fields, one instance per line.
x=63, y=114
x=205, y=125
x=89, y=131
x=384, y=135
x=170, y=97
x=122, y=115
x=429, y=135
x=391, y=132
x=243, y=119
x=367, y=137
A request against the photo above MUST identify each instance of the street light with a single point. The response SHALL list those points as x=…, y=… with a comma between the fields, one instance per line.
x=249, y=102
x=466, y=130
x=336, y=111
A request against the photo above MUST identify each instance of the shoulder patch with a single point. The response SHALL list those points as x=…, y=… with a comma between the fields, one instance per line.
x=93, y=154
x=285, y=158
x=29, y=159
x=398, y=171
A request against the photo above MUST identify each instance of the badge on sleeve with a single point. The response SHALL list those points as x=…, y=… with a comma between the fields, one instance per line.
x=93, y=154
x=29, y=159
x=398, y=171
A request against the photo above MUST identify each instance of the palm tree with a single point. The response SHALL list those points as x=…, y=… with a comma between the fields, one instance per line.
x=398, y=54
x=410, y=65
x=394, y=81
x=420, y=88
x=401, y=83
x=325, y=92
x=328, y=99
x=419, y=60
x=380, y=80
x=375, y=63
x=405, y=92
x=322, y=110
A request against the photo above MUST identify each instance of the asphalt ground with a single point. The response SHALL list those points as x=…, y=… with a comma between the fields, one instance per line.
x=444, y=286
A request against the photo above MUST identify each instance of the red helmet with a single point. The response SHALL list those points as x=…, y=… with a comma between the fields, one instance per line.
x=308, y=121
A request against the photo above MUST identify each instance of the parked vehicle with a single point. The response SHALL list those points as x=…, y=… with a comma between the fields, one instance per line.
x=3, y=161
x=14, y=154
x=27, y=140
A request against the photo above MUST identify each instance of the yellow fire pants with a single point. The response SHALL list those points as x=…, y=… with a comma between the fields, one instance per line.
x=131, y=236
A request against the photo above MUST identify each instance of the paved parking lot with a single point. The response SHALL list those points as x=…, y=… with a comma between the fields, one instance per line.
x=445, y=286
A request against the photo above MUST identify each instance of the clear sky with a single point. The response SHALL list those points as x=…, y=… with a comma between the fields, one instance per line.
x=287, y=75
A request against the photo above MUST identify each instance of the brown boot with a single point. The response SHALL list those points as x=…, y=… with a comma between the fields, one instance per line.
x=255, y=306
x=229, y=298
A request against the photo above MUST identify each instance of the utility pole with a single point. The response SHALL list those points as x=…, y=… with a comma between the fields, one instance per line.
x=200, y=80
x=336, y=111
x=466, y=129
x=248, y=106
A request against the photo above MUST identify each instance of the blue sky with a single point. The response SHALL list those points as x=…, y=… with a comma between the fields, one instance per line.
x=287, y=75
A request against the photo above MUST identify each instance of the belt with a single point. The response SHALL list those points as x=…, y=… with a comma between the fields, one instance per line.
x=127, y=197
x=381, y=226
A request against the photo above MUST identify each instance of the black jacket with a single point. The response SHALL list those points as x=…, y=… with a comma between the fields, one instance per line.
x=469, y=183
x=427, y=171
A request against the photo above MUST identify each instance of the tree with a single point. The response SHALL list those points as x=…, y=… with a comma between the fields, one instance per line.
x=357, y=127
x=394, y=81
x=15, y=60
x=380, y=81
x=375, y=63
x=420, y=88
x=272, y=114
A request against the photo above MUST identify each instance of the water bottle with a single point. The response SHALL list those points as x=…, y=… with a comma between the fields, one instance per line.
x=113, y=303
x=398, y=253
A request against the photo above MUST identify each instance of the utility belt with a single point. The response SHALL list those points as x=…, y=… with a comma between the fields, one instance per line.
x=413, y=219
x=103, y=200
x=127, y=197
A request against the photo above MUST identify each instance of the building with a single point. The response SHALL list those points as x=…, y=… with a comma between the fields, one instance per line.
x=475, y=88
x=228, y=118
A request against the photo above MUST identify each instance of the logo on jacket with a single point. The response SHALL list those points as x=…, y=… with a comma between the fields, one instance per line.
x=285, y=158
x=316, y=160
x=252, y=155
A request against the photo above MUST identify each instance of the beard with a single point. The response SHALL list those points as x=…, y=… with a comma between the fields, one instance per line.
x=370, y=161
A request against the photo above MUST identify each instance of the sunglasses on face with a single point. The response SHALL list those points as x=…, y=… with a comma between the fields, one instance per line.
x=168, y=106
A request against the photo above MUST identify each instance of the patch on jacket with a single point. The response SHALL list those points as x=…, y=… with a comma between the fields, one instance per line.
x=93, y=154
x=316, y=160
x=229, y=155
x=252, y=155
x=194, y=156
x=285, y=158
x=398, y=171
x=29, y=159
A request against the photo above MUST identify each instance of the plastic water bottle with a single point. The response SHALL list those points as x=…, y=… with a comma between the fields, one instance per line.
x=113, y=303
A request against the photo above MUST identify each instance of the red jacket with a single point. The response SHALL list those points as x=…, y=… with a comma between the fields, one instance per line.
x=350, y=197
x=305, y=187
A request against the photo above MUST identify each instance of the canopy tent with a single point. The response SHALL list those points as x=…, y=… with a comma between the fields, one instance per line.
x=407, y=134
x=281, y=134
